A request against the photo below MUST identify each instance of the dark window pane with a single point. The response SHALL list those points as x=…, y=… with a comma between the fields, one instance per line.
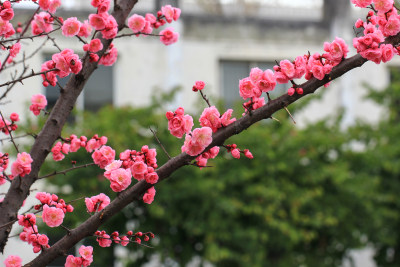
x=232, y=72
x=99, y=89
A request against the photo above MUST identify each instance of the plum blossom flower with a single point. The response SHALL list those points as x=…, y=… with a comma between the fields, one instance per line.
x=211, y=118
x=136, y=23
x=168, y=36
x=103, y=156
x=97, y=203
x=22, y=165
x=148, y=197
x=197, y=141
x=178, y=123
x=361, y=3
x=38, y=102
x=120, y=179
x=73, y=261
x=71, y=27
x=86, y=252
x=52, y=216
x=13, y=261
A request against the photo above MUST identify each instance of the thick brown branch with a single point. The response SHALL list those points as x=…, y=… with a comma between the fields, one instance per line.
x=51, y=131
x=135, y=192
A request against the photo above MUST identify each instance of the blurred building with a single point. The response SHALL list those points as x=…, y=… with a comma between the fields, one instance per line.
x=220, y=41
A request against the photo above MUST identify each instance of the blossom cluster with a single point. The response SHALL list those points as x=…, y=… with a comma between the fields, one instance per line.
x=13, y=51
x=3, y=166
x=65, y=62
x=54, y=208
x=106, y=240
x=38, y=103
x=236, y=152
x=179, y=123
x=42, y=23
x=49, y=5
x=73, y=144
x=211, y=118
x=85, y=259
x=22, y=166
x=145, y=25
x=30, y=233
x=6, y=14
x=6, y=126
x=376, y=28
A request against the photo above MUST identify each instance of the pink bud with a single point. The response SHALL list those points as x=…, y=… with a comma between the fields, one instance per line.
x=248, y=154
x=14, y=116
x=235, y=153
x=299, y=91
x=291, y=91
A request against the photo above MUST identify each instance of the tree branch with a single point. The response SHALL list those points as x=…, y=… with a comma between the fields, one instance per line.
x=135, y=192
x=52, y=130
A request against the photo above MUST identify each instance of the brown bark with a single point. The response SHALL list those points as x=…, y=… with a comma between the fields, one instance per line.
x=51, y=131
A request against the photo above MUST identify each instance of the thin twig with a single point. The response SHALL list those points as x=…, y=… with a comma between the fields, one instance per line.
x=26, y=77
x=205, y=98
x=161, y=145
x=290, y=114
x=66, y=170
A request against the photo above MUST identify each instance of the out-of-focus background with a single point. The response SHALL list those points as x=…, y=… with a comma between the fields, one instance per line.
x=322, y=192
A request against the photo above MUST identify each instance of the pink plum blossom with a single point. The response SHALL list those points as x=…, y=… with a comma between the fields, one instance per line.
x=104, y=240
x=38, y=102
x=288, y=69
x=361, y=3
x=85, y=29
x=226, y=118
x=139, y=170
x=86, y=252
x=6, y=28
x=148, y=197
x=22, y=165
x=255, y=75
x=71, y=27
x=98, y=21
x=109, y=58
x=13, y=261
x=120, y=179
x=112, y=166
x=198, y=86
x=73, y=261
x=267, y=81
x=94, y=46
x=247, y=89
x=103, y=156
x=111, y=27
x=178, y=123
x=97, y=203
x=383, y=6
x=387, y=52
x=196, y=142
x=211, y=118
x=136, y=23
x=151, y=177
x=168, y=36
x=52, y=216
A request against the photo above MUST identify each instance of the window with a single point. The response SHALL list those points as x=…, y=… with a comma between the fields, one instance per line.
x=233, y=71
x=98, y=90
